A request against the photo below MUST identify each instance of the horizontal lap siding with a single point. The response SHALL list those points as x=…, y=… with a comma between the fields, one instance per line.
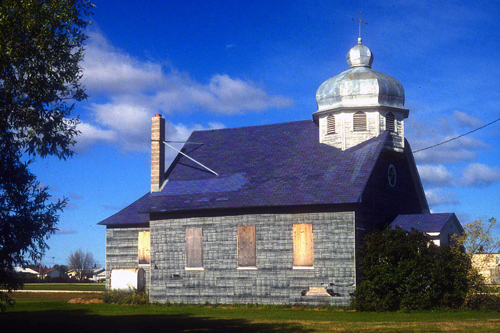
x=274, y=281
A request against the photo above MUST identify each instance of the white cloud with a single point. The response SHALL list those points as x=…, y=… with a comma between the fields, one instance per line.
x=424, y=134
x=65, y=231
x=181, y=133
x=130, y=124
x=74, y=196
x=227, y=95
x=473, y=175
x=459, y=150
x=437, y=196
x=91, y=134
x=466, y=120
x=479, y=175
x=130, y=91
x=131, y=133
x=435, y=174
x=109, y=70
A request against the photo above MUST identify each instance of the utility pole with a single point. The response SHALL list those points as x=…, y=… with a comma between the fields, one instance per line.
x=40, y=267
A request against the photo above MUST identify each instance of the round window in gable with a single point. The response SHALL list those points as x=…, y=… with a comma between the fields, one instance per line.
x=391, y=175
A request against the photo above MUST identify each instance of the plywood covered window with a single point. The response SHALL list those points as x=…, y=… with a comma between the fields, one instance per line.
x=302, y=245
x=359, y=122
x=246, y=246
x=144, y=247
x=390, y=122
x=194, y=247
x=330, y=124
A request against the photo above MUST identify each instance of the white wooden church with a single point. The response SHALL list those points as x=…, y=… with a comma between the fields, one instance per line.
x=276, y=213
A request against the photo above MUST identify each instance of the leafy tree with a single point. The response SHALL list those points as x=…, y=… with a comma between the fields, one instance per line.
x=480, y=245
x=479, y=238
x=41, y=47
x=63, y=269
x=81, y=262
x=402, y=270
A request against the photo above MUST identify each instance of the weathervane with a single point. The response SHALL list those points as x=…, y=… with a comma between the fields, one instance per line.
x=359, y=20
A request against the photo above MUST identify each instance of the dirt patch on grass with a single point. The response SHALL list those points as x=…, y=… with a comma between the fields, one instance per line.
x=27, y=296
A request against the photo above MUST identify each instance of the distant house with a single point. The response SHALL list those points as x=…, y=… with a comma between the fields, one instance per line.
x=72, y=274
x=488, y=265
x=21, y=271
x=98, y=275
x=39, y=273
x=94, y=274
x=48, y=273
x=439, y=226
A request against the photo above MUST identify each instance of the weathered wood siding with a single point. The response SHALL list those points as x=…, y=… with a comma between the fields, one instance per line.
x=122, y=251
x=273, y=280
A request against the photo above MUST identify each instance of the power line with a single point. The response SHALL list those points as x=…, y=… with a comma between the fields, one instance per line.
x=457, y=137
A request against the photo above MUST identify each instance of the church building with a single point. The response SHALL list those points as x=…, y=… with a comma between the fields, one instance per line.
x=273, y=214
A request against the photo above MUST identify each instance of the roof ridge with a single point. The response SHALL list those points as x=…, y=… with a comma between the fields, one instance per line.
x=250, y=126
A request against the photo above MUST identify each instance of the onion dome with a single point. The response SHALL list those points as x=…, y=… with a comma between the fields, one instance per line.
x=359, y=56
x=360, y=86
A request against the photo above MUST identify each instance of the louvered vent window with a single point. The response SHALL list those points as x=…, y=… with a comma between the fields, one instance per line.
x=390, y=122
x=359, y=120
x=330, y=124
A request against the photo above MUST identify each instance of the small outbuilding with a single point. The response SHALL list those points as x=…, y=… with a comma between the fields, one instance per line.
x=441, y=227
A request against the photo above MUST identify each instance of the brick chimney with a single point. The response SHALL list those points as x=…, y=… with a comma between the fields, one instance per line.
x=157, y=152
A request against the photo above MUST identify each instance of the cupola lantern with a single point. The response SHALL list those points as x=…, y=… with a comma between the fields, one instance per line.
x=359, y=104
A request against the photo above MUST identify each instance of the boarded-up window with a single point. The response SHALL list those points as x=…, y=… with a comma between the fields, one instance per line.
x=302, y=245
x=390, y=122
x=246, y=246
x=194, y=247
x=359, y=122
x=144, y=247
x=330, y=124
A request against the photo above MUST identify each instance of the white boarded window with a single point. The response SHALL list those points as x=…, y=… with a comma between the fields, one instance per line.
x=390, y=122
x=144, y=247
x=302, y=245
x=330, y=124
x=194, y=247
x=359, y=122
x=246, y=246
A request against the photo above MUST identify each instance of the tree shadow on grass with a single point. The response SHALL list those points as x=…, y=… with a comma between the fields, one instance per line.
x=82, y=321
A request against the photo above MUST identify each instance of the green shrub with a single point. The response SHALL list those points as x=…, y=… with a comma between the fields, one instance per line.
x=125, y=297
x=402, y=270
x=483, y=298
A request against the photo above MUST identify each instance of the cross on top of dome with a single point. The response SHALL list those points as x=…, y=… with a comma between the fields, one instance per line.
x=359, y=55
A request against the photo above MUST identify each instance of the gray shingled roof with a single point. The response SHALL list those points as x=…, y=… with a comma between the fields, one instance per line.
x=132, y=214
x=260, y=166
x=434, y=222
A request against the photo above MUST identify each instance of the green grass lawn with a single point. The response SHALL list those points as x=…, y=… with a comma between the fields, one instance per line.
x=35, y=310
x=65, y=286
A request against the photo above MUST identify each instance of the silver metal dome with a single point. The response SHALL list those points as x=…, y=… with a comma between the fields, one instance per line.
x=360, y=85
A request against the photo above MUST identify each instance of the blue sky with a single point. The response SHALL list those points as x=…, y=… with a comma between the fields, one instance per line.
x=215, y=64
